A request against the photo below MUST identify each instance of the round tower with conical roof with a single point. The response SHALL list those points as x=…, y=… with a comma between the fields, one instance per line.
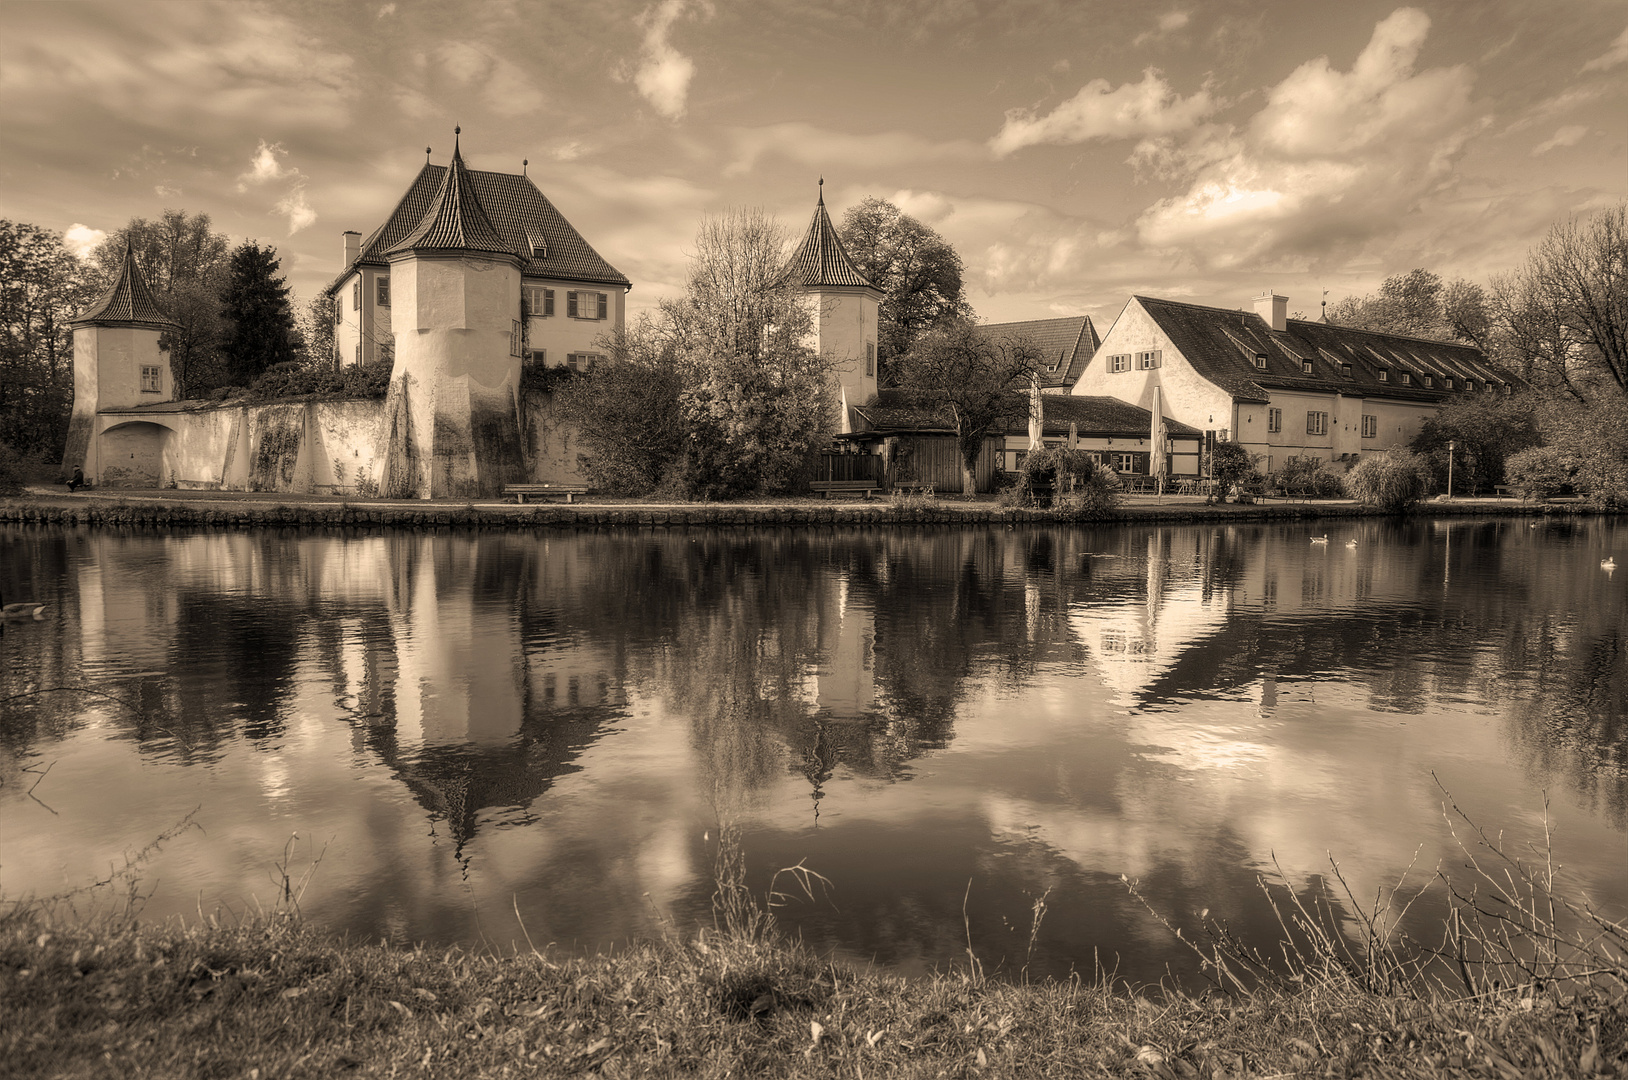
x=118, y=359
x=847, y=303
x=452, y=423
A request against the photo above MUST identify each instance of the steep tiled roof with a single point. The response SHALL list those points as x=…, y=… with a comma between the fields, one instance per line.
x=1066, y=346
x=518, y=211
x=128, y=301
x=455, y=219
x=1222, y=346
x=907, y=410
x=821, y=259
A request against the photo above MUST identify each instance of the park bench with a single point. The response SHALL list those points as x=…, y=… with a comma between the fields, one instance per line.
x=1502, y=491
x=520, y=491
x=863, y=488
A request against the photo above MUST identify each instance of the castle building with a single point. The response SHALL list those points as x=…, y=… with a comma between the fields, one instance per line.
x=846, y=305
x=569, y=295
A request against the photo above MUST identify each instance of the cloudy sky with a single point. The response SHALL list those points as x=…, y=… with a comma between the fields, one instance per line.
x=1074, y=151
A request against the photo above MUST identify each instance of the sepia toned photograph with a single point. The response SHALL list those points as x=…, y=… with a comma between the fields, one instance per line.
x=706, y=538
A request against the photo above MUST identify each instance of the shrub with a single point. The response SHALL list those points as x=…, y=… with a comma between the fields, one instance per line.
x=1097, y=496
x=1541, y=472
x=1055, y=469
x=1230, y=465
x=1311, y=475
x=11, y=471
x=1392, y=481
x=292, y=379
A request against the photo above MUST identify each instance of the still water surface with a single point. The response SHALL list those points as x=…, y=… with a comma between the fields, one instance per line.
x=473, y=724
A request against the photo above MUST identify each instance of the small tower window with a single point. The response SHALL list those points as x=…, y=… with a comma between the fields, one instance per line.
x=383, y=295
x=870, y=359
x=514, y=337
x=150, y=379
x=356, y=296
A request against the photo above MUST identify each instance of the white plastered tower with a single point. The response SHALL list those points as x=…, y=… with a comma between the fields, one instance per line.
x=117, y=360
x=452, y=425
x=845, y=313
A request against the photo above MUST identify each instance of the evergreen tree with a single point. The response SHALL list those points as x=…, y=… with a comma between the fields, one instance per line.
x=259, y=315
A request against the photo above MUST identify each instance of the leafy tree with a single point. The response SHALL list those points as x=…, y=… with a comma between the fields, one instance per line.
x=1418, y=304
x=979, y=385
x=1230, y=464
x=315, y=329
x=1562, y=317
x=756, y=400
x=42, y=287
x=1393, y=481
x=917, y=270
x=627, y=412
x=1592, y=438
x=184, y=261
x=1486, y=428
x=259, y=318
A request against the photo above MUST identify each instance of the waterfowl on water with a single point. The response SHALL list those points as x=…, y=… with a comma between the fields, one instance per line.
x=1351, y=543
x=1320, y=539
x=23, y=611
x=1608, y=563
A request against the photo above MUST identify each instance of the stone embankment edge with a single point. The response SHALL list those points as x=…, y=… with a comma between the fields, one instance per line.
x=590, y=517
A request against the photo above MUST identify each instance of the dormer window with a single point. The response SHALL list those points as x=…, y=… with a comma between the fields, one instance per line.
x=539, y=245
x=1407, y=378
x=1430, y=381
x=1260, y=361
x=1305, y=365
x=1469, y=384
x=1447, y=382
x=1345, y=370
x=1384, y=374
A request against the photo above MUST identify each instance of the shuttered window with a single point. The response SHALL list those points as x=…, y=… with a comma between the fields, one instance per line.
x=580, y=304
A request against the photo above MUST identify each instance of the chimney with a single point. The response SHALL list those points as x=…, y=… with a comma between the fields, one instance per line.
x=353, y=247
x=1274, y=309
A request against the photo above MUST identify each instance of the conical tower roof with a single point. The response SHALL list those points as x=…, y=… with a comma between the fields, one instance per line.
x=128, y=303
x=821, y=259
x=455, y=220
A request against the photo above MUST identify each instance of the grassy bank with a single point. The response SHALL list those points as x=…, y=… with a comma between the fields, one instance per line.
x=273, y=1000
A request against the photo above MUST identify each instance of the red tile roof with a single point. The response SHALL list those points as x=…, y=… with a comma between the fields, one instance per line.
x=128, y=302
x=1066, y=346
x=1222, y=346
x=821, y=259
x=513, y=206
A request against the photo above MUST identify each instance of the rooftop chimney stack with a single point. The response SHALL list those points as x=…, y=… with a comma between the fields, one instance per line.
x=1274, y=309
x=353, y=246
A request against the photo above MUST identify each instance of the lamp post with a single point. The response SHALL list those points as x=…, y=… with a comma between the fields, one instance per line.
x=1451, y=446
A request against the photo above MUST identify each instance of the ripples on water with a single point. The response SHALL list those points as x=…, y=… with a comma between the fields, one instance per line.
x=474, y=722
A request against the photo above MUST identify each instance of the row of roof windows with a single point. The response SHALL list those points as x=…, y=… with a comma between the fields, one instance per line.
x=1405, y=378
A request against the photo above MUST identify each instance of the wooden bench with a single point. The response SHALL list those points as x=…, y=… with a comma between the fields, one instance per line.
x=520, y=491
x=1501, y=491
x=863, y=488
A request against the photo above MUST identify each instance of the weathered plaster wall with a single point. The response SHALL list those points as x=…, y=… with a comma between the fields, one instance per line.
x=551, y=443
x=455, y=385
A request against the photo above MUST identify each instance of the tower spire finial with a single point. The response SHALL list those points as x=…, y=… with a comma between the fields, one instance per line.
x=822, y=190
x=457, y=131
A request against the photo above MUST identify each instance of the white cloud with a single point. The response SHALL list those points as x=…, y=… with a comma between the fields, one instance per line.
x=82, y=239
x=1570, y=135
x=1332, y=159
x=504, y=87
x=266, y=165
x=165, y=192
x=1149, y=107
x=1616, y=54
x=664, y=73
x=298, y=211
x=386, y=10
